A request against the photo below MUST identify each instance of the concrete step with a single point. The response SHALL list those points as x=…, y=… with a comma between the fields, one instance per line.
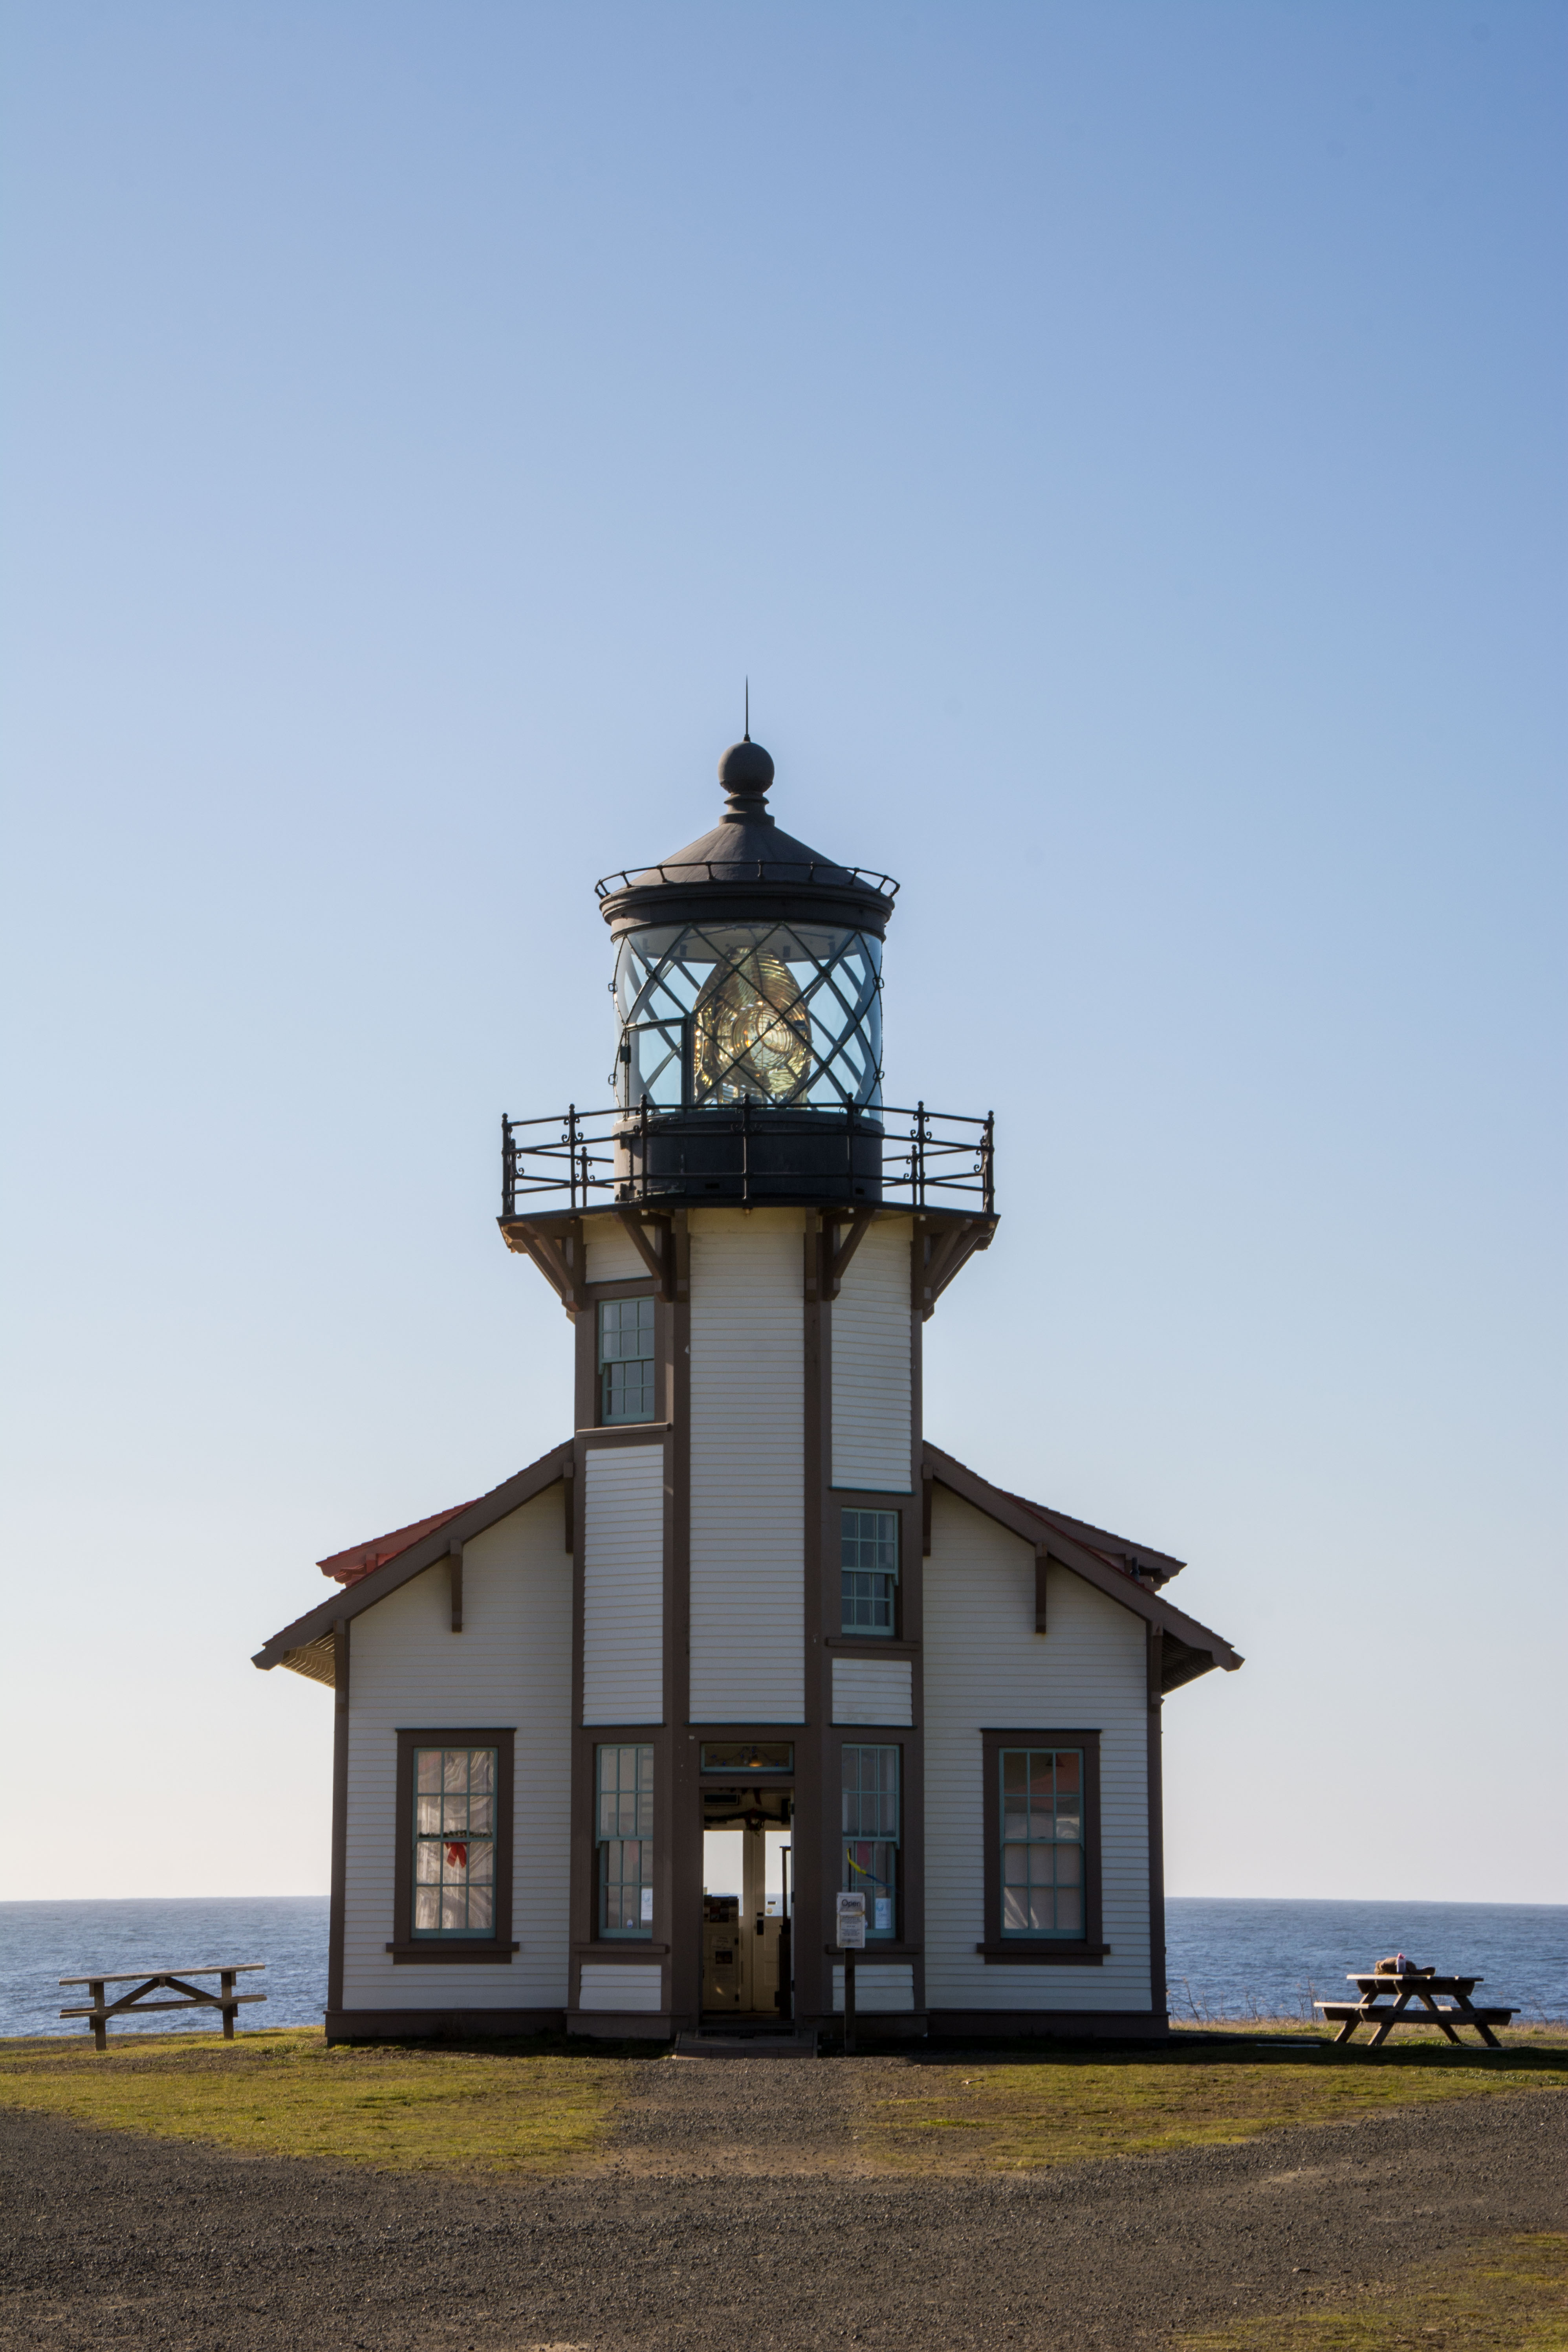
x=718, y=2043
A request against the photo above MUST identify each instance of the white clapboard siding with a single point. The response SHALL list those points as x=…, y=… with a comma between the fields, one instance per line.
x=748, y=1421
x=510, y=1667
x=873, y=1331
x=873, y=1690
x=986, y=1667
x=623, y=1584
x=885, y=1987
x=613, y=1256
x=606, y=1985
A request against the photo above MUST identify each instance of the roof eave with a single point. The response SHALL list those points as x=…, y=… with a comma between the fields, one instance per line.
x=498, y=1504
x=1200, y=1641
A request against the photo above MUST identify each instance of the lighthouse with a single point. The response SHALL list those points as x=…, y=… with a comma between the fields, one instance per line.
x=613, y=1739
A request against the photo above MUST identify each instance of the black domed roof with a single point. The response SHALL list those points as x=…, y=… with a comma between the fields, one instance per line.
x=747, y=865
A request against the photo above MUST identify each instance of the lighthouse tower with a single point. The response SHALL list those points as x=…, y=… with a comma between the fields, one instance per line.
x=612, y=1739
x=749, y=1244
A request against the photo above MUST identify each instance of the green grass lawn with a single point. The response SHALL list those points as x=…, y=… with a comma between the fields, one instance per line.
x=546, y=2105
x=1059, y=2107
x=516, y=2107
x=1511, y=2296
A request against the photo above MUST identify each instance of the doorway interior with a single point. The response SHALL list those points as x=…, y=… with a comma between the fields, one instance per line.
x=747, y=1903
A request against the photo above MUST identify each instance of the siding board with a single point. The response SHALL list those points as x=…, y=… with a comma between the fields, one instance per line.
x=748, y=1426
x=873, y=1690
x=623, y=1584
x=882, y=1988
x=872, y=1345
x=510, y=1664
x=612, y=1255
x=985, y=1666
x=606, y=1984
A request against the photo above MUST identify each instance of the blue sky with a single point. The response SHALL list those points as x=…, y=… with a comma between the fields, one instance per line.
x=1122, y=444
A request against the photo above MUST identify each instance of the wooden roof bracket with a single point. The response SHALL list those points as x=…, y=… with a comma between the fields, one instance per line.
x=659, y=1261
x=945, y=1251
x=560, y=1259
x=840, y=1251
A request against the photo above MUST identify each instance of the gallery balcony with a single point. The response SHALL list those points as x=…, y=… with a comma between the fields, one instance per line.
x=747, y=1155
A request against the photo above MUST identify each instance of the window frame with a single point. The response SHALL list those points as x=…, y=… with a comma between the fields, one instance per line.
x=876, y=1936
x=437, y=1951
x=873, y=1633
x=1040, y=1950
x=643, y=1932
x=638, y=1299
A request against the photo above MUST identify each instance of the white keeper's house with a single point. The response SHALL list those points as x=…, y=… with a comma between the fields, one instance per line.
x=610, y=1739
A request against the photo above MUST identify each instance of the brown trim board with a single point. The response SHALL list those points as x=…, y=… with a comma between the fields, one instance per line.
x=340, y=1813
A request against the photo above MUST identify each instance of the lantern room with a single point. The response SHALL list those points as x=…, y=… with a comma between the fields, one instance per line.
x=748, y=1040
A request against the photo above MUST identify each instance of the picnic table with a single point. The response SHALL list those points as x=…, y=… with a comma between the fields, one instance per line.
x=1412, y=1984
x=134, y=2004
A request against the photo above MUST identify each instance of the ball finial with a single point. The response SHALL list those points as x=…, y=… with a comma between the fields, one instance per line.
x=745, y=771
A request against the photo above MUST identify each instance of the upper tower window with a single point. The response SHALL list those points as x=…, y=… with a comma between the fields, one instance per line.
x=868, y=1544
x=712, y=1014
x=626, y=1383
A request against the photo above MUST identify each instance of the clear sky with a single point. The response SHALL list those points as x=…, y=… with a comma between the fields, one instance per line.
x=1123, y=442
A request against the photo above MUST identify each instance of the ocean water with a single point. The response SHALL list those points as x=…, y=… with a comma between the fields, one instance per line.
x=41, y=1942
x=1226, y=1959
x=1273, y=1960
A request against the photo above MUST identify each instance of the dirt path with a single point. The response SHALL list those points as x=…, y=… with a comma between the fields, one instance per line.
x=692, y=2239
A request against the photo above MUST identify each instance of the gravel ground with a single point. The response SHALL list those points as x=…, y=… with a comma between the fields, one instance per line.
x=734, y=2208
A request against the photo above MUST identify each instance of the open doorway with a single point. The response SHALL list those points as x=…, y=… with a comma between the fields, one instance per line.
x=747, y=1903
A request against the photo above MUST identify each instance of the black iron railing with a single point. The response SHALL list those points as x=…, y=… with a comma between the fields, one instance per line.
x=929, y=1159
x=747, y=870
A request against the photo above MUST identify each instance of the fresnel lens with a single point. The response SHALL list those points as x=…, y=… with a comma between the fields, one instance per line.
x=751, y=1034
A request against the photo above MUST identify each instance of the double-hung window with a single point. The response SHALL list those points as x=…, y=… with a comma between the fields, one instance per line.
x=627, y=1382
x=454, y=1841
x=1042, y=1815
x=625, y=1830
x=870, y=1798
x=869, y=1571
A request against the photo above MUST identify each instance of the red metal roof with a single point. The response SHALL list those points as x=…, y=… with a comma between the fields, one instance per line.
x=348, y=1567
x=1117, y=1551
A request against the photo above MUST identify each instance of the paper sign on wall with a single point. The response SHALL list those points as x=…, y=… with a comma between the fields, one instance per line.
x=646, y=1905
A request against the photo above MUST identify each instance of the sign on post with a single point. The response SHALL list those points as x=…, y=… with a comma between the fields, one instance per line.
x=852, y=1922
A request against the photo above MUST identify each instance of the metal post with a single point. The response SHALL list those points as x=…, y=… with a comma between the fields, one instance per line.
x=571, y=1149
x=508, y=1170
x=986, y=1156
x=745, y=1150
x=920, y=1170
x=848, y=2004
x=642, y=1147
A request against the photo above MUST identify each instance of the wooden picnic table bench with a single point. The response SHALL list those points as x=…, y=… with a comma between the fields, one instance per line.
x=1411, y=1986
x=132, y=2005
